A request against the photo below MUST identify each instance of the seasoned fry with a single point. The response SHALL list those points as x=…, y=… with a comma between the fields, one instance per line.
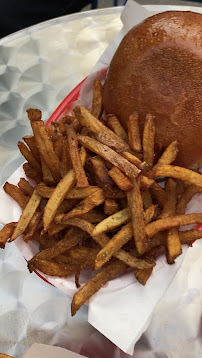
x=47, y=176
x=159, y=193
x=133, y=159
x=103, y=134
x=95, y=284
x=147, y=199
x=173, y=244
x=72, y=237
x=46, y=150
x=143, y=275
x=188, y=236
x=101, y=175
x=74, y=193
x=148, y=140
x=186, y=196
x=115, y=244
x=134, y=132
x=27, y=154
x=115, y=125
x=96, y=109
x=168, y=156
x=178, y=173
x=51, y=268
x=170, y=202
x=110, y=207
x=87, y=204
x=30, y=141
x=149, y=213
x=137, y=215
x=80, y=176
x=6, y=233
x=17, y=194
x=145, y=183
x=109, y=155
x=27, y=215
x=173, y=221
x=103, y=239
x=112, y=222
x=24, y=185
x=65, y=162
x=58, y=195
x=120, y=179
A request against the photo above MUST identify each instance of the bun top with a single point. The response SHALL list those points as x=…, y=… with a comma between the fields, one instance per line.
x=157, y=69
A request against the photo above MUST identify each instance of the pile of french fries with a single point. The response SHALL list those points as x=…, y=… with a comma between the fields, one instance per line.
x=95, y=198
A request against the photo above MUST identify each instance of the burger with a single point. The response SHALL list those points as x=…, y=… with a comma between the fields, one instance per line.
x=157, y=69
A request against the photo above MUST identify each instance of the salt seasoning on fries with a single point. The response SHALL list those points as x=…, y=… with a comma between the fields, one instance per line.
x=96, y=201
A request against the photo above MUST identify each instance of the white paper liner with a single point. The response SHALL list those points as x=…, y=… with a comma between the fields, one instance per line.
x=123, y=309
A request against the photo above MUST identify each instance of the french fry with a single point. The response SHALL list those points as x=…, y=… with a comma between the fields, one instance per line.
x=87, y=204
x=133, y=159
x=45, y=147
x=186, y=196
x=46, y=173
x=30, y=141
x=74, y=193
x=149, y=213
x=6, y=233
x=147, y=199
x=103, y=240
x=34, y=227
x=72, y=237
x=173, y=221
x=170, y=202
x=110, y=155
x=65, y=162
x=115, y=125
x=110, y=206
x=120, y=179
x=32, y=173
x=101, y=175
x=143, y=275
x=27, y=154
x=148, y=140
x=27, y=215
x=112, y=222
x=179, y=173
x=92, y=217
x=114, y=245
x=103, y=134
x=59, y=194
x=188, y=236
x=134, y=132
x=174, y=246
x=17, y=194
x=24, y=185
x=168, y=156
x=137, y=215
x=57, y=197
x=96, y=109
x=54, y=268
x=159, y=193
x=95, y=284
x=145, y=183
x=80, y=176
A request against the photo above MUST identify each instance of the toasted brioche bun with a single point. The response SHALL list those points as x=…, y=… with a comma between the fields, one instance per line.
x=157, y=69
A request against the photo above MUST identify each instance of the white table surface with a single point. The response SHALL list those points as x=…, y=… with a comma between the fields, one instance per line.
x=39, y=66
